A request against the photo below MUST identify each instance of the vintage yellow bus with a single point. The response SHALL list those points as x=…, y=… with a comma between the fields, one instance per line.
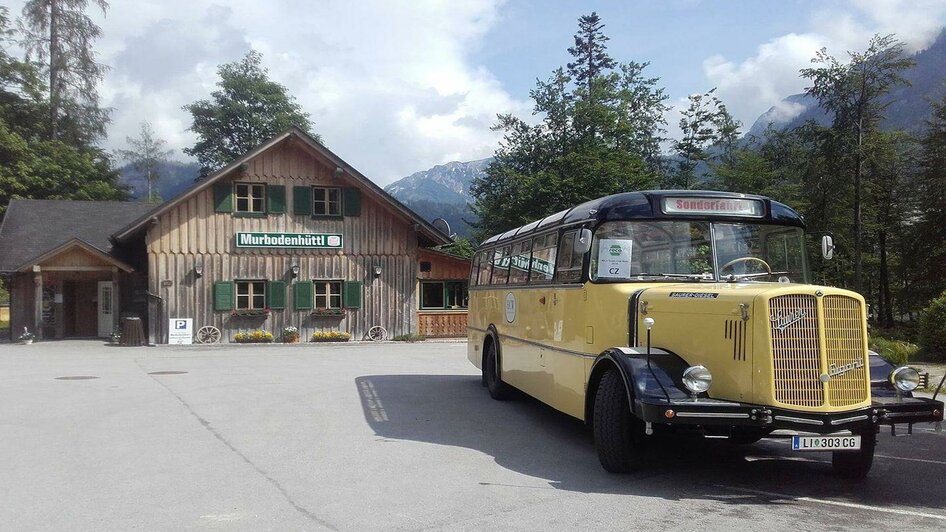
x=647, y=312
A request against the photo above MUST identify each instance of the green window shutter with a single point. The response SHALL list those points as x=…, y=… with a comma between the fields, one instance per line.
x=351, y=197
x=302, y=295
x=223, y=295
x=223, y=197
x=302, y=200
x=353, y=294
x=276, y=295
x=276, y=199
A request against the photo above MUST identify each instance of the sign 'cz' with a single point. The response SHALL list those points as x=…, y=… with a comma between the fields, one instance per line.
x=289, y=240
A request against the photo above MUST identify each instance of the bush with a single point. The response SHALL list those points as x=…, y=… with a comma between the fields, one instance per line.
x=932, y=333
x=897, y=352
x=329, y=336
x=253, y=337
x=411, y=337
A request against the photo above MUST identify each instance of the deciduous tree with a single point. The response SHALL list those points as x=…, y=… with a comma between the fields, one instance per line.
x=247, y=109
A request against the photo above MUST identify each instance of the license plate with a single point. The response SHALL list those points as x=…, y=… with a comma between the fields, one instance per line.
x=826, y=443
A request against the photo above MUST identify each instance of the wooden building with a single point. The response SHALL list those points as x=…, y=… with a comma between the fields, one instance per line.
x=290, y=234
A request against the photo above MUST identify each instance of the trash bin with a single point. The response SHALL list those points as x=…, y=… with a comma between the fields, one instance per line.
x=132, y=332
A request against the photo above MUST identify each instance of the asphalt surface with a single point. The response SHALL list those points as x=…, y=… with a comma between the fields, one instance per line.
x=384, y=436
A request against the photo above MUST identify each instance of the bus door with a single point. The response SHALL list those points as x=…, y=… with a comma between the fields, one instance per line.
x=564, y=360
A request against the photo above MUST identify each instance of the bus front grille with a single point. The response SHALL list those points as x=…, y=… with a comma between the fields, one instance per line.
x=799, y=359
x=844, y=336
x=796, y=350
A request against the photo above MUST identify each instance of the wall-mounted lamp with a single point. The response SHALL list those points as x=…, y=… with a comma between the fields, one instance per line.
x=338, y=171
x=198, y=270
x=294, y=269
x=377, y=271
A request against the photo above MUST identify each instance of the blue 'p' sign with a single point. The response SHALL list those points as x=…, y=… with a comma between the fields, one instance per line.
x=180, y=324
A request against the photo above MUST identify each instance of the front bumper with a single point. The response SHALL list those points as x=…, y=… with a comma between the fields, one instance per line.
x=713, y=412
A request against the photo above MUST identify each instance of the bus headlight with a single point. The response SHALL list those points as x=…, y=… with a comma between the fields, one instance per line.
x=697, y=379
x=905, y=379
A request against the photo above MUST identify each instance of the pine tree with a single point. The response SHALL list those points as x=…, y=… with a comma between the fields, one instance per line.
x=590, y=51
x=145, y=155
x=60, y=35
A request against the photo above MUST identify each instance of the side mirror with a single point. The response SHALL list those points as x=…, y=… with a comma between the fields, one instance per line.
x=827, y=247
x=583, y=241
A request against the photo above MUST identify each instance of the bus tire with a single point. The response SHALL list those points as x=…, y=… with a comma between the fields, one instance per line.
x=498, y=389
x=857, y=464
x=618, y=434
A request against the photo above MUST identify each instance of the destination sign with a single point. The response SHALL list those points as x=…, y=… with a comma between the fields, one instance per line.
x=724, y=206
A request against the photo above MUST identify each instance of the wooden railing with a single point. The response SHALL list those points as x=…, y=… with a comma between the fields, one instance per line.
x=445, y=323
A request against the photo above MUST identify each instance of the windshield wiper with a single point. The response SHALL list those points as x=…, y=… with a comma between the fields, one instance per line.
x=687, y=276
x=734, y=277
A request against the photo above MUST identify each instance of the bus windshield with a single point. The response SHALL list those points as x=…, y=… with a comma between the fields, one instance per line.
x=645, y=250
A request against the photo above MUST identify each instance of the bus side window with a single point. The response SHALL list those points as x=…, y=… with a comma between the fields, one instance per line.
x=474, y=268
x=500, y=266
x=569, y=262
x=519, y=265
x=543, y=258
x=486, y=268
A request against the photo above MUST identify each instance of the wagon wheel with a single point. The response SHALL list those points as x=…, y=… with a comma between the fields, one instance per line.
x=377, y=333
x=208, y=334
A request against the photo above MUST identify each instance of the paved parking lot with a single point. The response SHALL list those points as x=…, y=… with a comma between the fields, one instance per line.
x=383, y=436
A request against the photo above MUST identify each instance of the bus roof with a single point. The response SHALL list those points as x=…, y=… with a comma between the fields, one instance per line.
x=649, y=205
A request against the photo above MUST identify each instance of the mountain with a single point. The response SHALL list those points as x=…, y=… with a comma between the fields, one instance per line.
x=175, y=177
x=909, y=105
x=441, y=192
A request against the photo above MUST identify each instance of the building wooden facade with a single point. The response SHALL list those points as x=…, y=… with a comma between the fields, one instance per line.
x=199, y=269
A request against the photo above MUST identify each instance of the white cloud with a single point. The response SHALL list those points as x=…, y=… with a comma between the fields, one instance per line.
x=389, y=85
x=751, y=86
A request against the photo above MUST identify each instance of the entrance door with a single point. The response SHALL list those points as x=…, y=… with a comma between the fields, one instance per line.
x=106, y=309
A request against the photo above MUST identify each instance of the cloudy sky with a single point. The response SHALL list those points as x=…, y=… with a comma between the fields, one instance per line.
x=399, y=86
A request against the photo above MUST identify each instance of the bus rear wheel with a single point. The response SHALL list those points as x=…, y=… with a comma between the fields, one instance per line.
x=498, y=389
x=856, y=464
x=618, y=434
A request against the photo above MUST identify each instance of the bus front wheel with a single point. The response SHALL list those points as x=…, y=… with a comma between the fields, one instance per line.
x=498, y=389
x=856, y=464
x=618, y=434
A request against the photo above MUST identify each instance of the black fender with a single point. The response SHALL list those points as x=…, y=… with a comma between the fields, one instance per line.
x=880, y=370
x=652, y=380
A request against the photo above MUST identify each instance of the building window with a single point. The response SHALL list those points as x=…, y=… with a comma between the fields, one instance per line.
x=251, y=198
x=442, y=295
x=326, y=201
x=251, y=295
x=328, y=294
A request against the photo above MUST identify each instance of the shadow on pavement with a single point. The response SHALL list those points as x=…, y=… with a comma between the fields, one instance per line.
x=527, y=437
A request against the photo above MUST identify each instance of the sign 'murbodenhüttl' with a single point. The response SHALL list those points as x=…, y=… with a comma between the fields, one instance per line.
x=288, y=240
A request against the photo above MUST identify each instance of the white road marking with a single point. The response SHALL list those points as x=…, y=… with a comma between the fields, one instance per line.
x=836, y=503
x=223, y=517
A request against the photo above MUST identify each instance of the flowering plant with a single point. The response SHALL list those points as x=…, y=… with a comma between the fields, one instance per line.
x=26, y=336
x=290, y=334
x=253, y=337
x=330, y=336
x=250, y=312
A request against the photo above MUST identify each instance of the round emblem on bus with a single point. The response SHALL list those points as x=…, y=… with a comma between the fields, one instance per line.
x=510, y=307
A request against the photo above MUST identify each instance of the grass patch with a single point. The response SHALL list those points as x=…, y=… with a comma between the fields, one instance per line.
x=897, y=352
x=409, y=338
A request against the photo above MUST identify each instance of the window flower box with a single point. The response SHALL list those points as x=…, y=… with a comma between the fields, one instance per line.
x=250, y=313
x=329, y=312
